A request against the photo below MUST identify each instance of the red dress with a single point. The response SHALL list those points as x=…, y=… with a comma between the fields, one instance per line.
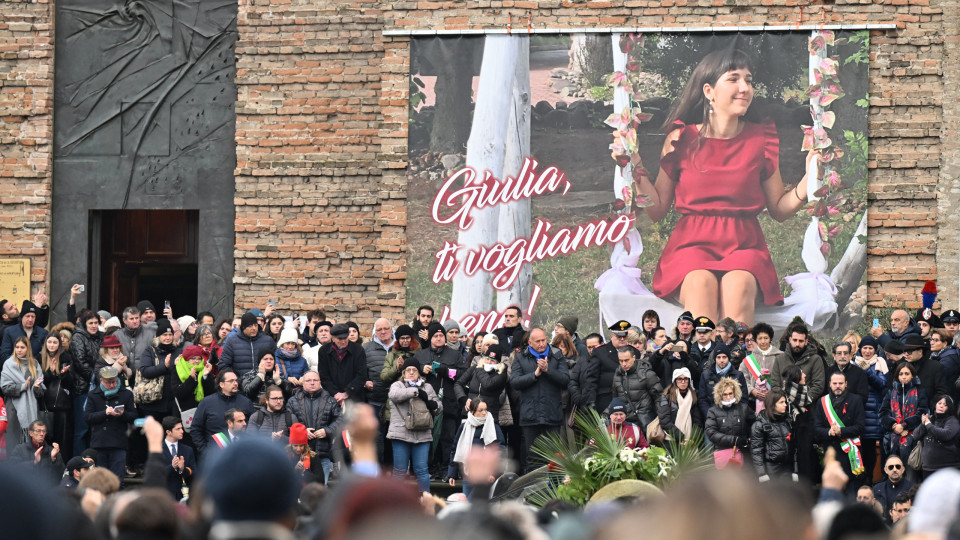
x=719, y=196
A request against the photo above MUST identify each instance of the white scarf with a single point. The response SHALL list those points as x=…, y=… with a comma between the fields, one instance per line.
x=470, y=425
x=876, y=360
x=684, y=421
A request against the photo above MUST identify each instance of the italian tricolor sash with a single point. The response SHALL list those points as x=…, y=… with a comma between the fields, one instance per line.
x=221, y=439
x=851, y=447
x=753, y=366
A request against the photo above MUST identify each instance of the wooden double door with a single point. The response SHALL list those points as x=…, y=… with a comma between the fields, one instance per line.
x=149, y=255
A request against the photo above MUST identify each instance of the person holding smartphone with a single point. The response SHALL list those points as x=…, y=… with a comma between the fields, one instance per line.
x=109, y=412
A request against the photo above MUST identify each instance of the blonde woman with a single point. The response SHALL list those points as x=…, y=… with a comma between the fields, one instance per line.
x=22, y=383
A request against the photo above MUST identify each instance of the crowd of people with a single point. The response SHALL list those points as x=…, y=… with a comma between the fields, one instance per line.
x=169, y=399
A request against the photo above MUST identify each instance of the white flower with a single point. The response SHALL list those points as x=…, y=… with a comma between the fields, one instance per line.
x=628, y=456
x=589, y=463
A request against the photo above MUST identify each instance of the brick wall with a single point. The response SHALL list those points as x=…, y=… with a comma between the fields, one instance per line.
x=321, y=136
x=316, y=226
x=26, y=136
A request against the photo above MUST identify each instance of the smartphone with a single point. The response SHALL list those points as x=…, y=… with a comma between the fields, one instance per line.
x=271, y=301
x=876, y=323
x=82, y=288
x=139, y=422
x=166, y=305
x=119, y=408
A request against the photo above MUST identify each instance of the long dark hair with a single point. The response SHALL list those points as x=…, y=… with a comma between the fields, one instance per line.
x=692, y=107
x=773, y=396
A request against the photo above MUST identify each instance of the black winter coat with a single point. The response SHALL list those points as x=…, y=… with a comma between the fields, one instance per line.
x=86, y=352
x=109, y=431
x=151, y=366
x=709, y=380
x=318, y=411
x=184, y=392
x=850, y=410
x=347, y=375
x=486, y=385
x=639, y=388
x=583, y=382
x=510, y=338
x=664, y=363
x=608, y=362
x=60, y=386
x=443, y=377
x=730, y=426
x=769, y=445
x=939, y=437
x=540, y=397
x=857, y=381
x=932, y=379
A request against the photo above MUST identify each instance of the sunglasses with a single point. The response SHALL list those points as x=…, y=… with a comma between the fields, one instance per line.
x=894, y=467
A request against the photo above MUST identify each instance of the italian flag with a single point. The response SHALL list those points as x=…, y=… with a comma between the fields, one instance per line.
x=221, y=439
x=851, y=447
x=753, y=366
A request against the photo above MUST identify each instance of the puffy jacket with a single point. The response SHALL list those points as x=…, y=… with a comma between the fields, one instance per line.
x=940, y=442
x=109, y=431
x=709, y=380
x=667, y=413
x=639, y=388
x=294, y=364
x=730, y=426
x=769, y=445
x=878, y=388
x=319, y=411
x=452, y=368
x=241, y=352
x=151, y=366
x=486, y=385
x=399, y=397
x=346, y=375
x=86, y=352
x=540, y=397
x=376, y=358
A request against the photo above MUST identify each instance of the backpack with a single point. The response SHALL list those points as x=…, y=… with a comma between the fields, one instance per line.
x=418, y=416
x=287, y=417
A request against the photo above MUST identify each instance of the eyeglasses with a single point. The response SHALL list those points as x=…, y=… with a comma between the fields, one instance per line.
x=682, y=379
x=230, y=380
x=276, y=398
x=894, y=467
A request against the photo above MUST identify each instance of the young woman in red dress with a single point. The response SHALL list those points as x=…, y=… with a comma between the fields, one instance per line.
x=721, y=170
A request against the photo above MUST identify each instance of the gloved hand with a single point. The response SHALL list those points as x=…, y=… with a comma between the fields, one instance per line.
x=432, y=405
x=423, y=395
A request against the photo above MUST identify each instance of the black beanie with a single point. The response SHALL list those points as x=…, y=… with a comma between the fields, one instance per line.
x=163, y=325
x=247, y=319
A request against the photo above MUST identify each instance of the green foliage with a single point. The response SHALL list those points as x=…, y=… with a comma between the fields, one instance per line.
x=598, y=459
x=862, y=56
x=601, y=93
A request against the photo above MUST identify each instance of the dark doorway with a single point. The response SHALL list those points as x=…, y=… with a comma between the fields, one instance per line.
x=148, y=255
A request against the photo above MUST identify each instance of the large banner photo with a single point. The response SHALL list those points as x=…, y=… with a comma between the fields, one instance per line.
x=605, y=175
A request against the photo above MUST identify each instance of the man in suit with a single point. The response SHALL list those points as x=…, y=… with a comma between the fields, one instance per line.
x=180, y=457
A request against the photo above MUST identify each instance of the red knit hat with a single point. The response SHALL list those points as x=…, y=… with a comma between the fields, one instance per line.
x=298, y=434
